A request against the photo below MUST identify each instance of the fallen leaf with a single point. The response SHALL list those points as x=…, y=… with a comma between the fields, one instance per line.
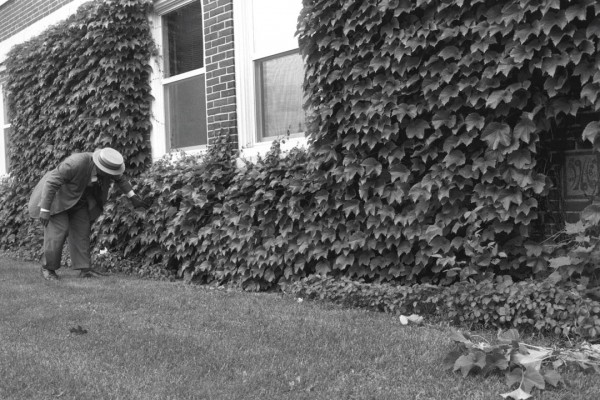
x=78, y=330
x=415, y=319
x=517, y=394
x=553, y=377
x=508, y=336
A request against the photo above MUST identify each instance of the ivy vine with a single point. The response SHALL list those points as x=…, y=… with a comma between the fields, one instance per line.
x=426, y=121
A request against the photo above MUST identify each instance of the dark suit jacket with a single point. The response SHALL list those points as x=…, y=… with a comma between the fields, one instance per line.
x=62, y=187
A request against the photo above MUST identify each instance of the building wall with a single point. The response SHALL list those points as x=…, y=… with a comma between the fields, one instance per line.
x=16, y=15
x=220, y=67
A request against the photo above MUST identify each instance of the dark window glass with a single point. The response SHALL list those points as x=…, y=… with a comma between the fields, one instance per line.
x=6, y=145
x=186, y=112
x=280, y=96
x=183, y=39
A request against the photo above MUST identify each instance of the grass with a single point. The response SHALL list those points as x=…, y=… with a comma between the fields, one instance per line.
x=168, y=340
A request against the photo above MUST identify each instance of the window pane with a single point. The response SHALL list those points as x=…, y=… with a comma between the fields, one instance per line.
x=281, y=91
x=186, y=112
x=183, y=43
x=6, y=145
x=5, y=111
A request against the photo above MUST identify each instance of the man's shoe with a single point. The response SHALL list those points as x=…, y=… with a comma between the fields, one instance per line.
x=49, y=275
x=89, y=273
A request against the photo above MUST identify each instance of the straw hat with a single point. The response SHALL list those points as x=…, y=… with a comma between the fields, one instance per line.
x=109, y=160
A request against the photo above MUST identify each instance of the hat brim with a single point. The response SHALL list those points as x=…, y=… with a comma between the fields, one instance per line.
x=96, y=157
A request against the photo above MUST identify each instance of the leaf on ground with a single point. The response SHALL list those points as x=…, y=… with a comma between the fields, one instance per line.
x=553, y=377
x=458, y=336
x=518, y=394
x=514, y=376
x=508, y=336
x=78, y=330
x=467, y=362
x=451, y=358
x=534, y=358
x=497, y=360
x=533, y=378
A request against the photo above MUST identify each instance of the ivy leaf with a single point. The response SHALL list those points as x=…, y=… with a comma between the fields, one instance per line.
x=593, y=28
x=552, y=19
x=443, y=118
x=352, y=170
x=459, y=337
x=575, y=11
x=558, y=262
x=517, y=394
x=497, y=134
x=496, y=97
x=524, y=128
x=321, y=196
x=509, y=336
x=514, y=376
x=520, y=158
x=553, y=377
x=467, y=362
x=455, y=158
x=450, y=52
x=591, y=131
x=475, y=120
x=399, y=171
x=448, y=93
x=322, y=267
x=591, y=214
x=372, y=166
x=532, y=379
x=574, y=229
x=417, y=129
x=496, y=360
x=590, y=92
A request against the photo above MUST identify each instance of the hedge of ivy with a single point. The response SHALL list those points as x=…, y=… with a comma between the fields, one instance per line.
x=427, y=117
x=82, y=84
x=211, y=220
x=500, y=303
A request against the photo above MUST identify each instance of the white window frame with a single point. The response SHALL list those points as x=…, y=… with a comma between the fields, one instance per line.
x=246, y=91
x=159, y=138
x=3, y=126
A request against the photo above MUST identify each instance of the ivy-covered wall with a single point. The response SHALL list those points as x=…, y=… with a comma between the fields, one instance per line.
x=82, y=84
x=428, y=118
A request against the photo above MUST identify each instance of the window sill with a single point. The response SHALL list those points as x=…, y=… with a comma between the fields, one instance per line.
x=261, y=148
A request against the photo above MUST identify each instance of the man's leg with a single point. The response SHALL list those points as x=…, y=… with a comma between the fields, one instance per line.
x=55, y=234
x=79, y=237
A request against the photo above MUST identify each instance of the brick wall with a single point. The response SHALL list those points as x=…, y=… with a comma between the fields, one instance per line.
x=16, y=15
x=220, y=67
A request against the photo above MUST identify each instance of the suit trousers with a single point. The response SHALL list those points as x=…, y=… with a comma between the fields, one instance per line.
x=74, y=223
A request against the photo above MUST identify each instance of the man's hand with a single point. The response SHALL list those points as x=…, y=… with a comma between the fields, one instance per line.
x=44, y=218
x=138, y=202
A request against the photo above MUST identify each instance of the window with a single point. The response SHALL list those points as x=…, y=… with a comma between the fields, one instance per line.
x=279, y=89
x=269, y=73
x=184, y=76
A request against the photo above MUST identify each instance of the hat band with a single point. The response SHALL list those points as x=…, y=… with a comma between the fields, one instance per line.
x=107, y=164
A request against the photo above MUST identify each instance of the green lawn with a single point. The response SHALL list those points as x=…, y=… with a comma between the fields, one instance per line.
x=168, y=340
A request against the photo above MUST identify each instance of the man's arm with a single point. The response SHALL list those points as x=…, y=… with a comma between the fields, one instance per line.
x=127, y=189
